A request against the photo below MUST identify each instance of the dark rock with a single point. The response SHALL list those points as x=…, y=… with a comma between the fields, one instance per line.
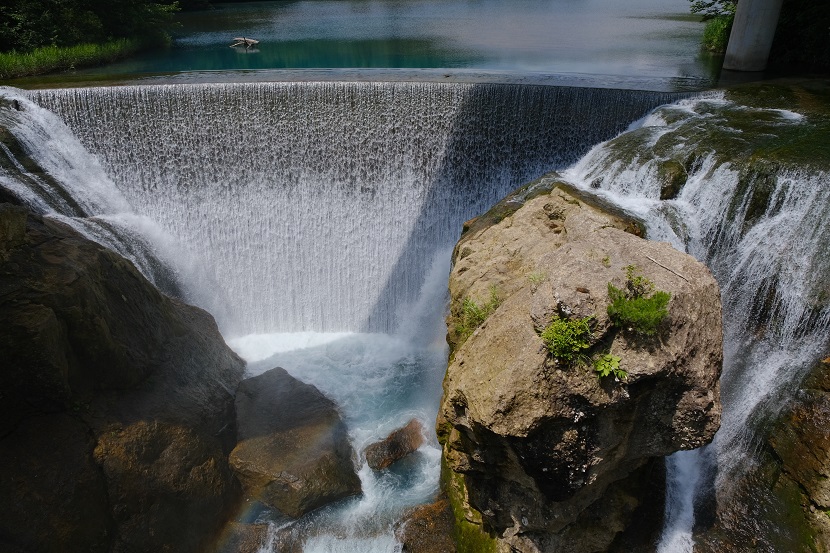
x=396, y=446
x=293, y=451
x=165, y=482
x=243, y=538
x=427, y=529
x=135, y=387
x=54, y=494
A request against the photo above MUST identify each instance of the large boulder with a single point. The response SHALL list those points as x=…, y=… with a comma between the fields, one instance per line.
x=293, y=451
x=541, y=454
x=397, y=445
x=136, y=388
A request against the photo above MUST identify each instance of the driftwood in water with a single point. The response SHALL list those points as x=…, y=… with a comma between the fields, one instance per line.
x=246, y=42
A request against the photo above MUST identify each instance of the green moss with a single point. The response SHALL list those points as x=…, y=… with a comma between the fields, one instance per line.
x=672, y=177
x=469, y=537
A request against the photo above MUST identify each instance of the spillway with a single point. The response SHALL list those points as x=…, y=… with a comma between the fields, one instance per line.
x=315, y=222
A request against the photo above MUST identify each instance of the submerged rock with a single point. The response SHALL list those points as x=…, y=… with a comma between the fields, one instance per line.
x=293, y=451
x=396, y=446
x=117, y=405
x=543, y=455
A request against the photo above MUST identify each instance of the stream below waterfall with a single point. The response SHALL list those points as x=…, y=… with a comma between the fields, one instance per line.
x=315, y=222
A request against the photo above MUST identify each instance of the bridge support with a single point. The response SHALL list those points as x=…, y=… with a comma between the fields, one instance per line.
x=752, y=34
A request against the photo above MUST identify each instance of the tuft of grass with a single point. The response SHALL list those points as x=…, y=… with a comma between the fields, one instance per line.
x=473, y=314
x=537, y=278
x=53, y=58
x=567, y=339
x=639, y=308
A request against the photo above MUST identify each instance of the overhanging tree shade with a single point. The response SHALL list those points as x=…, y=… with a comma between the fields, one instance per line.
x=26, y=25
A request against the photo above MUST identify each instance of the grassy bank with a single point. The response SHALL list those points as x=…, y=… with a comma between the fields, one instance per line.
x=50, y=59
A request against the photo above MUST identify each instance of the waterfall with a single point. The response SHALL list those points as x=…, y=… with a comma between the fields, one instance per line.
x=69, y=184
x=762, y=226
x=317, y=206
x=315, y=221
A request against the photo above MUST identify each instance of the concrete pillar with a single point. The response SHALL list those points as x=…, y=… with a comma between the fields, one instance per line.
x=752, y=34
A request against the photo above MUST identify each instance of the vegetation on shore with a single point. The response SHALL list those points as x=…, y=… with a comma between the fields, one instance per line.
x=802, y=38
x=49, y=59
x=53, y=35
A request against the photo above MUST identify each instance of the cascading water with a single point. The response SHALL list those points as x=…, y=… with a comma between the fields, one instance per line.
x=366, y=179
x=70, y=185
x=761, y=225
x=325, y=213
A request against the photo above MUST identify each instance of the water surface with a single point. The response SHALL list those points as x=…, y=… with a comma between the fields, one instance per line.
x=612, y=42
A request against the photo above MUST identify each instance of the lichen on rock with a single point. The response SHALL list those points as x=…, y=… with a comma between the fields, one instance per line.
x=537, y=447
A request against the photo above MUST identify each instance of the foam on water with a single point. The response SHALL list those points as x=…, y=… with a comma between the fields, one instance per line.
x=379, y=382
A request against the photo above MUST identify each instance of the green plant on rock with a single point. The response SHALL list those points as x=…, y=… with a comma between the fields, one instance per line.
x=473, y=314
x=639, y=308
x=606, y=365
x=537, y=278
x=567, y=339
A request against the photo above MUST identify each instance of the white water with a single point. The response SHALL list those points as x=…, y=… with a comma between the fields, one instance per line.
x=329, y=199
x=322, y=211
x=325, y=214
x=770, y=271
x=77, y=191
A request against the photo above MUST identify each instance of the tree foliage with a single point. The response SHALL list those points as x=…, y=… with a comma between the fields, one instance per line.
x=713, y=8
x=29, y=24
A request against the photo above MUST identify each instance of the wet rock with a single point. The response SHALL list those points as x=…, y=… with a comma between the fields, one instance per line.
x=293, y=451
x=781, y=502
x=672, y=176
x=396, y=446
x=537, y=449
x=93, y=357
x=427, y=529
x=244, y=538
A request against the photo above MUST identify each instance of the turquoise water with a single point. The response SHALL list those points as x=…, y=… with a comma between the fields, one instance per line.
x=655, y=40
